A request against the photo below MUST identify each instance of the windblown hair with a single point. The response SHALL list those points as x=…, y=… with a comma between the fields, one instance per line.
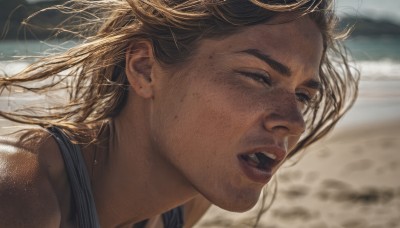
x=93, y=73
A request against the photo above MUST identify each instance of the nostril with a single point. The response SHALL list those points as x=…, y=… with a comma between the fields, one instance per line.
x=281, y=128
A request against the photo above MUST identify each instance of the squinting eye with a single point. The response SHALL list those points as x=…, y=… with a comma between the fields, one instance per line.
x=304, y=98
x=258, y=77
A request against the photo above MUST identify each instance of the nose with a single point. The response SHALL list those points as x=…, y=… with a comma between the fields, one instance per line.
x=285, y=119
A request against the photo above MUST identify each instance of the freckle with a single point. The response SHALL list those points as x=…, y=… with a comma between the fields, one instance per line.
x=175, y=117
x=210, y=57
x=182, y=98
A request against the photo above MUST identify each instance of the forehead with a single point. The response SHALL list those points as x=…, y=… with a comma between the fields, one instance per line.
x=297, y=43
x=288, y=30
x=300, y=32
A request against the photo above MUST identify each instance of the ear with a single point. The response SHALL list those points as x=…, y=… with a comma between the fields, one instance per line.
x=138, y=67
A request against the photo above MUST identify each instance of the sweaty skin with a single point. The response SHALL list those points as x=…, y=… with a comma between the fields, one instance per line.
x=178, y=138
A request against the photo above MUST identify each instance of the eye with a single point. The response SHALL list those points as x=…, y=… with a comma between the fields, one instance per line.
x=304, y=98
x=261, y=77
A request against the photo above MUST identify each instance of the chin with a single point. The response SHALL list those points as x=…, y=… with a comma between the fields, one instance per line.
x=238, y=206
x=239, y=202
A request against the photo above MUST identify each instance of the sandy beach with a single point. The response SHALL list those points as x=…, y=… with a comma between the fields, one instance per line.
x=349, y=179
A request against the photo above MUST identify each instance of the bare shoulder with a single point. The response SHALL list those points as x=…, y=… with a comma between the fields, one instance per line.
x=27, y=196
x=195, y=209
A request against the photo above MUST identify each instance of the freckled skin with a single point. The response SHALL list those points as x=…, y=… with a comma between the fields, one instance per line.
x=178, y=138
x=224, y=113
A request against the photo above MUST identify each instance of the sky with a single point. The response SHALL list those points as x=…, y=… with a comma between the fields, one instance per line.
x=387, y=9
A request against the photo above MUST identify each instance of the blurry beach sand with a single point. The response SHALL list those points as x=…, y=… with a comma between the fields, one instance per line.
x=348, y=180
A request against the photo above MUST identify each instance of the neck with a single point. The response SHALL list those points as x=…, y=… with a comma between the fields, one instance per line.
x=131, y=180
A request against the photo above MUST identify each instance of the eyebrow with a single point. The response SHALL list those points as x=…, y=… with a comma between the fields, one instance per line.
x=273, y=63
x=279, y=67
x=313, y=84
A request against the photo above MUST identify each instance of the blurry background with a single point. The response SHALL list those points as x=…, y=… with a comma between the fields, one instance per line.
x=349, y=180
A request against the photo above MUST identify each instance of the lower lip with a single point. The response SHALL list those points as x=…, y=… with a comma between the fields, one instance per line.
x=254, y=174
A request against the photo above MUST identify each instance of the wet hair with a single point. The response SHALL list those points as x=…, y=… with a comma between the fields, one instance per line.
x=93, y=71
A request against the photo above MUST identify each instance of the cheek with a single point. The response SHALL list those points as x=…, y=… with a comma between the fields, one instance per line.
x=203, y=118
x=292, y=142
x=212, y=100
x=199, y=131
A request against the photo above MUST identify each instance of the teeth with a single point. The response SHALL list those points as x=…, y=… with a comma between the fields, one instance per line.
x=254, y=158
x=272, y=156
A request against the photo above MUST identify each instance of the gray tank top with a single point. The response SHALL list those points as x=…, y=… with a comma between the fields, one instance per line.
x=85, y=209
x=75, y=167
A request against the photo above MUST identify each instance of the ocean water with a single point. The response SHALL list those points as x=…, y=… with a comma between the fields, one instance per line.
x=376, y=48
x=378, y=60
x=10, y=49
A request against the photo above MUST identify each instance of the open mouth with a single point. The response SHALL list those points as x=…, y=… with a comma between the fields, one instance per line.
x=260, y=165
x=263, y=161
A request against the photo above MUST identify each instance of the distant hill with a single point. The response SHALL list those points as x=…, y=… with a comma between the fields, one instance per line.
x=370, y=27
x=13, y=12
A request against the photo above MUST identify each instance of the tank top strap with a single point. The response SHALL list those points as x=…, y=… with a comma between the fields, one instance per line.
x=173, y=218
x=79, y=180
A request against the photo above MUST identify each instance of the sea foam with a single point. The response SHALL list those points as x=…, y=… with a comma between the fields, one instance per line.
x=386, y=69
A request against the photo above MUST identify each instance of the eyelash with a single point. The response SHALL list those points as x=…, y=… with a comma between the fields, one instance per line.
x=265, y=79
x=258, y=77
x=304, y=98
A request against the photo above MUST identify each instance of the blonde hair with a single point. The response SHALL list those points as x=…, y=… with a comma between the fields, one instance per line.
x=93, y=71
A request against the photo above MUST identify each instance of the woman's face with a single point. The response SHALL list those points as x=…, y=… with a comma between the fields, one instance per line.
x=227, y=118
